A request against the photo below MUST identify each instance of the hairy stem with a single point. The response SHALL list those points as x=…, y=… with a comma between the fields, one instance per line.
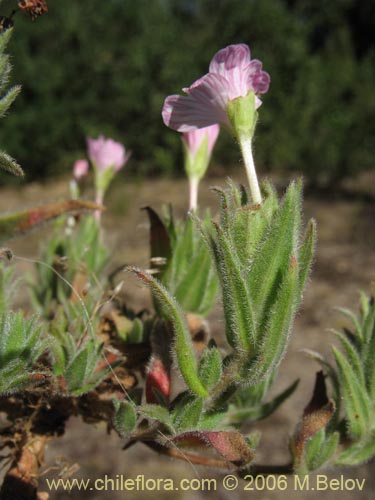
x=247, y=154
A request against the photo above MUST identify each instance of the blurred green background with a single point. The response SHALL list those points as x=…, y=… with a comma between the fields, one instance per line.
x=94, y=66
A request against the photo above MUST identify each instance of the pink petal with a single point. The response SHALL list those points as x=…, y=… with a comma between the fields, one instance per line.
x=106, y=153
x=204, y=105
x=193, y=139
x=233, y=56
x=231, y=63
x=257, y=79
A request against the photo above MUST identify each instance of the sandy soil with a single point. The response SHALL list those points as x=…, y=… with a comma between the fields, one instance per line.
x=345, y=264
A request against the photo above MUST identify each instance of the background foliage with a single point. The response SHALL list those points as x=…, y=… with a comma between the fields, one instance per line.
x=91, y=67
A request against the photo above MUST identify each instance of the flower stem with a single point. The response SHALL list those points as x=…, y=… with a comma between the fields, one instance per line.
x=247, y=154
x=99, y=200
x=193, y=193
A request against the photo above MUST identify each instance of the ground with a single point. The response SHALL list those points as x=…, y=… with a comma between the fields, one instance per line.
x=344, y=264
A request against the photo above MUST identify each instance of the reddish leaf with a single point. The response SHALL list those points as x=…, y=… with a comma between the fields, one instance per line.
x=230, y=445
x=21, y=222
x=316, y=416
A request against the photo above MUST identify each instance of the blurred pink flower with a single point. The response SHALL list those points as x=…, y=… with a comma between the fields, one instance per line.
x=199, y=145
x=80, y=169
x=231, y=74
x=193, y=139
x=105, y=153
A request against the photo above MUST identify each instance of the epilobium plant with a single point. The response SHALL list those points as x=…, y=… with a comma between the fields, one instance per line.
x=90, y=354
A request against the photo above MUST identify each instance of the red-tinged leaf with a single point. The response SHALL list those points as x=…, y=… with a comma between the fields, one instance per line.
x=316, y=416
x=160, y=244
x=13, y=225
x=158, y=381
x=110, y=359
x=231, y=445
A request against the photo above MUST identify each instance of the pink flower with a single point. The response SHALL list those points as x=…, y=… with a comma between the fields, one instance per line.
x=199, y=145
x=231, y=74
x=80, y=169
x=194, y=138
x=106, y=153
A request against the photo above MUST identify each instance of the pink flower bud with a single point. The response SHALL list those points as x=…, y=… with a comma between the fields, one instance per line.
x=193, y=139
x=157, y=379
x=80, y=169
x=106, y=153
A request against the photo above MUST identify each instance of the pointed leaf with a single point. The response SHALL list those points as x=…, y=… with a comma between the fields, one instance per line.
x=159, y=413
x=188, y=416
x=238, y=309
x=10, y=165
x=230, y=445
x=238, y=416
x=273, y=255
x=277, y=333
x=183, y=344
x=358, y=406
x=316, y=417
x=357, y=454
x=320, y=452
x=306, y=254
x=210, y=367
x=21, y=222
x=352, y=356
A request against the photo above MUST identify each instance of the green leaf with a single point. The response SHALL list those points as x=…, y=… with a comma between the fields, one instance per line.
x=10, y=165
x=275, y=340
x=353, y=318
x=358, y=406
x=352, y=356
x=8, y=99
x=358, y=453
x=183, y=344
x=182, y=252
x=191, y=291
x=210, y=367
x=238, y=310
x=306, y=254
x=274, y=254
x=76, y=372
x=125, y=418
x=187, y=417
x=225, y=211
x=320, y=449
x=211, y=421
x=259, y=412
x=369, y=321
x=159, y=413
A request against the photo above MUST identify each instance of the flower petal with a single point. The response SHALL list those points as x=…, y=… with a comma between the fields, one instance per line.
x=231, y=63
x=204, y=105
x=233, y=56
x=257, y=79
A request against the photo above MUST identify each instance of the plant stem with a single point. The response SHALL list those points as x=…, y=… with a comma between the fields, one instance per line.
x=247, y=154
x=99, y=201
x=193, y=193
